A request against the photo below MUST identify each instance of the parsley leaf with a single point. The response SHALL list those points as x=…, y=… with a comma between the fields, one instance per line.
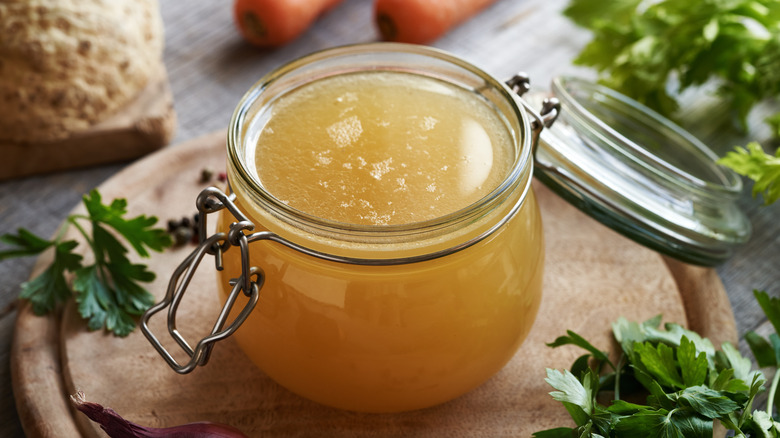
x=659, y=362
x=707, y=402
x=764, y=352
x=686, y=383
x=50, y=287
x=26, y=243
x=651, y=51
x=762, y=425
x=558, y=432
x=770, y=306
x=108, y=292
x=642, y=49
x=137, y=231
x=663, y=424
x=743, y=368
x=693, y=366
x=762, y=168
x=575, y=339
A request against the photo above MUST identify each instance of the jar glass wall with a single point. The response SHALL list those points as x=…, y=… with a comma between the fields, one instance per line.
x=395, y=316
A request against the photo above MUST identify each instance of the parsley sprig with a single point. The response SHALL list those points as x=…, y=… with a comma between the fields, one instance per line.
x=642, y=48
x=686, y=382
x=762, y=168
x=108, y=291
x=652, y=50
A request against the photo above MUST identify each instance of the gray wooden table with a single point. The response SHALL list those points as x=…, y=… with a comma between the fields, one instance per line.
x=210, y=67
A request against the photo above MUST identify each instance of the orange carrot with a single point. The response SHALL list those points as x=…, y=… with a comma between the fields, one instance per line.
x=422, y=21
x=272, y=23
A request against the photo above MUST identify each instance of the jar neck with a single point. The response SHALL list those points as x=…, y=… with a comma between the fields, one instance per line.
x=424, y=239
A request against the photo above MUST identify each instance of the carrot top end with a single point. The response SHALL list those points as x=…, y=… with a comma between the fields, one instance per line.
x=387, y=27
x=254, y=28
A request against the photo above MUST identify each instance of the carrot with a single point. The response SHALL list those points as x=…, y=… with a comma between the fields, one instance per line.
x=421, y=21
x=272, y=23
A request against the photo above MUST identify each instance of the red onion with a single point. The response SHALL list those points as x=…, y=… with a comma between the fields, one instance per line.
x=117, y=427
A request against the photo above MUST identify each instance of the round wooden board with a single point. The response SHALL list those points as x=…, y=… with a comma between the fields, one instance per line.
x=592, y=276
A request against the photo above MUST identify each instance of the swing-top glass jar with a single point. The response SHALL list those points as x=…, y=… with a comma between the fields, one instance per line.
x=409, y=172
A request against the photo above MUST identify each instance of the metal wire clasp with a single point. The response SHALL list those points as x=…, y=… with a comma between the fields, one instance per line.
x=209, y=201
x=551, y=108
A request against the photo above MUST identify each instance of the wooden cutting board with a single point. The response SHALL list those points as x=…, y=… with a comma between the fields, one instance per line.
x=593, y=275
x=144, y=125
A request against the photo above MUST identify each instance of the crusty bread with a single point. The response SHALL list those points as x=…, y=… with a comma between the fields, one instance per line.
x=67, y=64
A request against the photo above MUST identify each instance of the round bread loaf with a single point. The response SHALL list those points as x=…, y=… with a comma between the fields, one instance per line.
x=67, y=64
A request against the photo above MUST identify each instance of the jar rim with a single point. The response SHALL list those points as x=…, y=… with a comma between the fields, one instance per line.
x=518, y=172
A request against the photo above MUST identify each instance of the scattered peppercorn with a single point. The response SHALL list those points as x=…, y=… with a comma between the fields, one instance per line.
x=206, y=174
x=184, y=230
x=172, y=225
x=182, y=235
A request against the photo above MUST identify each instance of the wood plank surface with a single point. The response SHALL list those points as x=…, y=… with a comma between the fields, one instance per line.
x=591, y=275
x=210, y=67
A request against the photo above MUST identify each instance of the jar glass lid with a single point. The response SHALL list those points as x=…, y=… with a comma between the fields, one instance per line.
x=639, y=173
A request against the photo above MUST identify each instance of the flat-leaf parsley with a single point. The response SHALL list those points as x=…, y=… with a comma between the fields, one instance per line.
x=649, y=50
x=762, y=168
x=687, y=384
x=108, y=291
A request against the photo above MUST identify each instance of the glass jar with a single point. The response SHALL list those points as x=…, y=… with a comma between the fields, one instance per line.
x=387, y=317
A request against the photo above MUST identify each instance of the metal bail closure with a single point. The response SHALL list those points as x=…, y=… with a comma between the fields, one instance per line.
x=209, y=201
x=551, y=108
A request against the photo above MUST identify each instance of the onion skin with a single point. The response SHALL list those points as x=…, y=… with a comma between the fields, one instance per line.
x=117, y=427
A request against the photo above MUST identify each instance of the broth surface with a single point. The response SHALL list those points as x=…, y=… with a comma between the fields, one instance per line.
x=380, y=148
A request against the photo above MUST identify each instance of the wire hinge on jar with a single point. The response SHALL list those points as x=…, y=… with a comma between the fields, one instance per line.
x=551, y=107
x=210, y=200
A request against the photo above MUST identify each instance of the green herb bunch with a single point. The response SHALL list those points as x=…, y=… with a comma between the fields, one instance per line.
x=686, y=383
x=108, y=291
x=643, y=49
x=762, y=168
